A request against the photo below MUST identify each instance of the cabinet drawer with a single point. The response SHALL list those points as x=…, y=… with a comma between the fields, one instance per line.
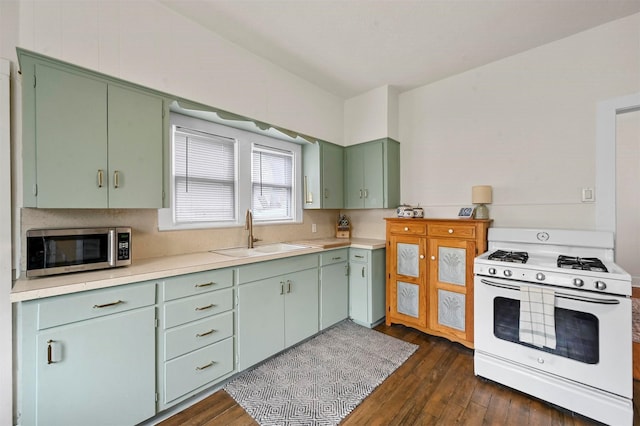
x=199, y=282
x=196, y=335
x=359, y=255
x=96, y=303
x=408, y=228
x=189, y=372
x=334, y=256
x=181, y=311
x=459, y=231
x=273, y=268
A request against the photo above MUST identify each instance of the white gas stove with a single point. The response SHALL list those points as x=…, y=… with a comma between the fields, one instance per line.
x=553, y=319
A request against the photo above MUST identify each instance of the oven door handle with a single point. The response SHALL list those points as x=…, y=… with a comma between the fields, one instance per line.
x=561, y=295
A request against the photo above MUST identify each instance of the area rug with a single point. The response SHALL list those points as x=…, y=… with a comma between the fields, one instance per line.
x=320, y=381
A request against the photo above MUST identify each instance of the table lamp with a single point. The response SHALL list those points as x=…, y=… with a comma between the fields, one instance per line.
x=481, y=195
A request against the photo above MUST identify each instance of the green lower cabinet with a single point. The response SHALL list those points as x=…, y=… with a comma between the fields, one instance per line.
x=89, y=371
x=367, y=286
x=275, y=313
x=334, y=287
x=196, y=338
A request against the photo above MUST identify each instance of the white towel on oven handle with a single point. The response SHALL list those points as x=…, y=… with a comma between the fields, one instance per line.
x=537, y=318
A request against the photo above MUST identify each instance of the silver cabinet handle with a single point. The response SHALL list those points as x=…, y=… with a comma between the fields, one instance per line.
x=281, y=287
x=205, y=366
x=363, y=272
x=210, y=283
x=288, y=286
x=346, y=270
x=366, y=193
x=361, y=193
x=117, y=302
x=209, y=306
x=326, y=193
x=359, y=256
x=308, y=196
x=100, y=178
x=206, y=333
x=50, y=352
x=116, y=179
x=336, y=258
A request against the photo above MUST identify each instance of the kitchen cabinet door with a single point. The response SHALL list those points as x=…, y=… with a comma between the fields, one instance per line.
x=451, y=286
x=97, y=372
x=301, y=306
x=354, y=177
x=260, y=321
x=358, y=292
x=407, y=290
x=323, y=175
x=135, y=149
x=334, y=290
x=71, y=128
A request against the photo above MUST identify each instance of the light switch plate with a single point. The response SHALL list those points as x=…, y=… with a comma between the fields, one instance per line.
x=588, y=195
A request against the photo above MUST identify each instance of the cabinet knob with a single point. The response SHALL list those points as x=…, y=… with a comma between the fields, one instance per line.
x=422, y=256
x=406, y=228
x=433, y=258
x=451, y=231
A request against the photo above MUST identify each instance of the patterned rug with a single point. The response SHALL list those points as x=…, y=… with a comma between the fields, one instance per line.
x=321, y=380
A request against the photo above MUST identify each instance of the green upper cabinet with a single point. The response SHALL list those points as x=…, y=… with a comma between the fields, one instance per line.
x=323, y=176
x=89, y=142
x=372, y=175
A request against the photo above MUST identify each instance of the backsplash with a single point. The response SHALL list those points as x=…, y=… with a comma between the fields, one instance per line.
x=149, y=242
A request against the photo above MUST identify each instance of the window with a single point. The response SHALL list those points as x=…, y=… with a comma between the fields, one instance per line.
x=218, y=172
x=204, y=177
x=271, y=183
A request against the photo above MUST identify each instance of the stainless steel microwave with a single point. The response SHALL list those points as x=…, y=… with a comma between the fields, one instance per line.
x=59, y=251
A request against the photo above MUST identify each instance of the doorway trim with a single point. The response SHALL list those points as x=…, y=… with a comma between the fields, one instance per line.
x=606, y=157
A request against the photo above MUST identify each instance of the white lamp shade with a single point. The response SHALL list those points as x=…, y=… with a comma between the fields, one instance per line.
x=481, y=194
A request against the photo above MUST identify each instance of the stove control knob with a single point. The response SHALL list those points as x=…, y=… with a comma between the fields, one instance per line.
x=492, y=271
x=507, y=273
x=600, y=285
x=540, y=276
x=578, y=282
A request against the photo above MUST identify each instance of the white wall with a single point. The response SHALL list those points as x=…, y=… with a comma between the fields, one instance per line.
x=525, y=125
x=371, y=115
x=144, y=42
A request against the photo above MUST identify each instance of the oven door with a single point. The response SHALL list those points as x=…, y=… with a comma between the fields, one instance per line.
x=593, y=334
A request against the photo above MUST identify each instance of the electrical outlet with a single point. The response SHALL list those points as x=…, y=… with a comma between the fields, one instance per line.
x=314, y=228
x=588, y=195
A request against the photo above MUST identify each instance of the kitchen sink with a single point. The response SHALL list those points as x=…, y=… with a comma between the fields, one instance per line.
x=259, y=250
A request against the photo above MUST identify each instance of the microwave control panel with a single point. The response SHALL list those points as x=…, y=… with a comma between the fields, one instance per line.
x=124, y=246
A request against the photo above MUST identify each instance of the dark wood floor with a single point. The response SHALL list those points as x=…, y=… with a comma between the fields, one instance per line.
x=436, y=386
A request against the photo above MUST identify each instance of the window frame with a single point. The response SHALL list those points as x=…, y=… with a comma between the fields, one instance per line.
x=245, y=141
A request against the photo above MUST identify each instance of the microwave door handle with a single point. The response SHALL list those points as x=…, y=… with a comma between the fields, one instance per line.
x=560, y=295
x=111, y=241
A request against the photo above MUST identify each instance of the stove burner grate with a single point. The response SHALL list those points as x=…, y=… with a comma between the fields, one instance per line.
x=583, y=263
x=509, y=256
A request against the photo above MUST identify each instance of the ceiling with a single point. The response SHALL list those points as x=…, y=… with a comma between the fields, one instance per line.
x=348, y=47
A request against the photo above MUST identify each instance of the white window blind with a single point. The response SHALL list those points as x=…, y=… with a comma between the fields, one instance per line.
x=271, y=183
x=205, y=177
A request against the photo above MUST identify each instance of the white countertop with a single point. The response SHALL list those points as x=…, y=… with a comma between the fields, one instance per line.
x=161, y=267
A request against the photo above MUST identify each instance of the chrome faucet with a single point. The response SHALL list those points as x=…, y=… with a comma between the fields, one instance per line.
x=248, y=225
